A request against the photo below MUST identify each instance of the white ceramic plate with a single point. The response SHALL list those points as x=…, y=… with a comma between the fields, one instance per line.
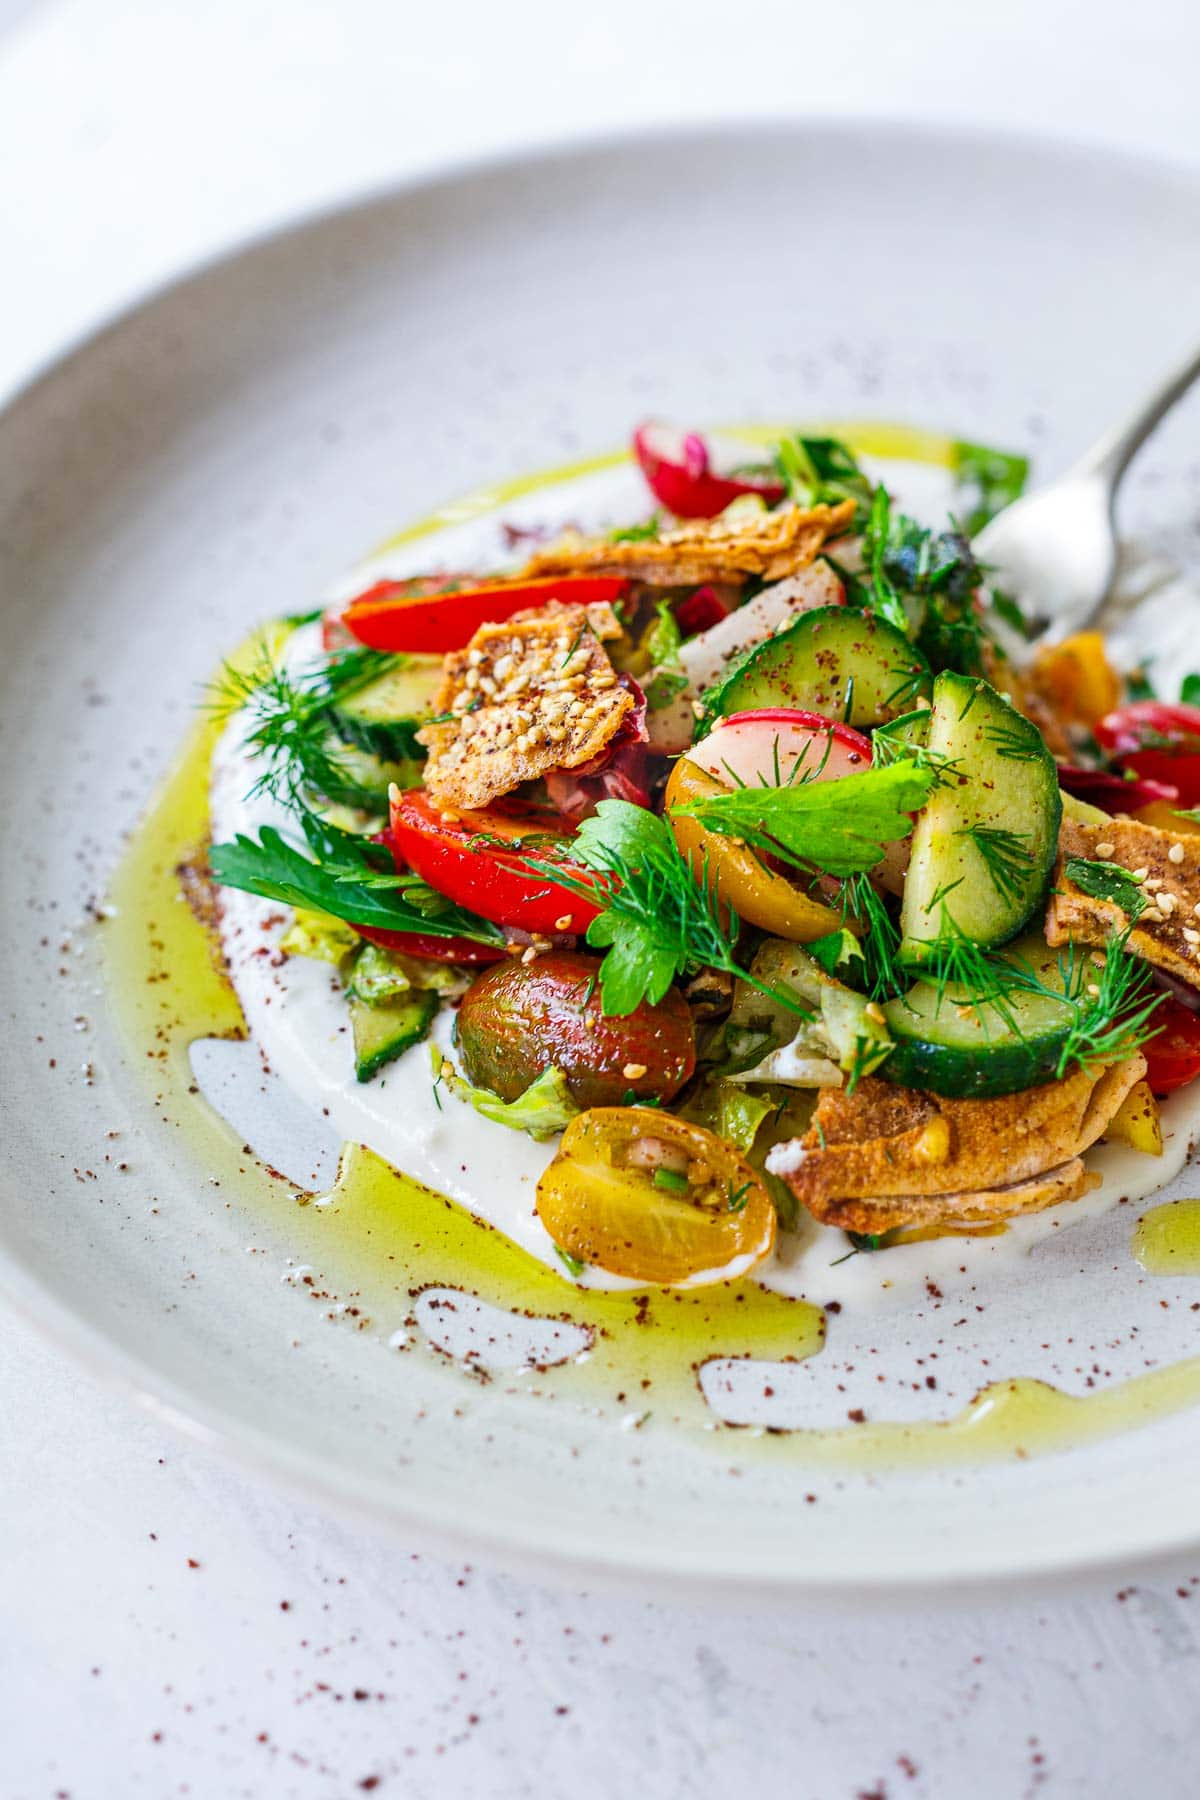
x=220, y=456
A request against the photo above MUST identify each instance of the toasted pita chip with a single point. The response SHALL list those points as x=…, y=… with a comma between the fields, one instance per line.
x=771, y=545
x=532, y=694
x=1172, y=887
x=910, y=1157
x=985, y=1206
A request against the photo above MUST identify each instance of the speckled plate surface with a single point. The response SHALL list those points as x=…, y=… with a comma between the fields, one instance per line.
x=219, y=456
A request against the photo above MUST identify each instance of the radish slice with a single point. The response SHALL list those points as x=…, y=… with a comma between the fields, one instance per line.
x=704, y=659
x=778, y=746
x=679, y=466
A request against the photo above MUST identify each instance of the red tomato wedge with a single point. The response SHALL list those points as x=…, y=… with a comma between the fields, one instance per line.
x=1159, y=741
x=678, y=465
x=778, y=745
x=389, y=616
x=438, y=949
x=467, y=858
x=1173, y=1056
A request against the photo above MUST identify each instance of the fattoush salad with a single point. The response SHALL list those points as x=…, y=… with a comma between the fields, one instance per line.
x=769, y=868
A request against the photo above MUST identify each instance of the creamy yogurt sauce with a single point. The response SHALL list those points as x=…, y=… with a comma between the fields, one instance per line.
x=298, y=1017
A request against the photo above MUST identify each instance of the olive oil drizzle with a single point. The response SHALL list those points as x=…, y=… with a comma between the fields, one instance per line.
x=1166, y=1240
x=381, y=1239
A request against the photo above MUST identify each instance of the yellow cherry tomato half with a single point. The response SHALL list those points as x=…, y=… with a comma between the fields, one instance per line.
x=757, y=894
x=656, y=1199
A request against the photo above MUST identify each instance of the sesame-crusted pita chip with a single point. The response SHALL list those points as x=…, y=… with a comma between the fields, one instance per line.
x=534, y=693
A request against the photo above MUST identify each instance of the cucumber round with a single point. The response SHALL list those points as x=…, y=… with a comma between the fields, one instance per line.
x=975, y=1052
x=384, y=717
x=838, y=661
x=947, y=1045
x=986, y=839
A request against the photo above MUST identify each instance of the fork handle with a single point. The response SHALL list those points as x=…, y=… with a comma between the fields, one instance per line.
x=1111, y=455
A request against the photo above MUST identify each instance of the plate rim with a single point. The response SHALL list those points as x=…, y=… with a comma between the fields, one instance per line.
x=371, y=1501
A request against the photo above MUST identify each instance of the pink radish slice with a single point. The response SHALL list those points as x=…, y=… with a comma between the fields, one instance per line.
x=777, y=746
x=678, y=465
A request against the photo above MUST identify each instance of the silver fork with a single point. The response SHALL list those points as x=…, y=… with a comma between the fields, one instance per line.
x=1056, y=550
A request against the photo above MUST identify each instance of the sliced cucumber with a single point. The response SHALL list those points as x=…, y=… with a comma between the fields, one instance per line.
x=949, y=1045
x=381, y=1033
x=368, y=777
x=909, y=732
x=985, y=841
x=385, y=717
x=841, y=662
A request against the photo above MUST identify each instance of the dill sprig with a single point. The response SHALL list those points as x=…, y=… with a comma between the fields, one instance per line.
x=660, y=921
x=1014, y=744
x=1005, y=856
x=879, y=945
x=1114, y=1012
x=888, y=747
x=288, y=726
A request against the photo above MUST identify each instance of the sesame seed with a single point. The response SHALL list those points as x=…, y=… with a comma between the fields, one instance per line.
x=1139, y=874
x=1105, y=849
x=565, y=923
x=1166, y=903
x=529, y=954
x=1190, y=936
x=1153, y=915
x=633, y=1071
x=1175, y=853
x=1093, y=988
x=450, y=817
x=874, y=1011
x=1153, y=883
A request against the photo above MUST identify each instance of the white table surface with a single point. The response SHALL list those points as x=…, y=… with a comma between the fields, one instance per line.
x=168, y=1625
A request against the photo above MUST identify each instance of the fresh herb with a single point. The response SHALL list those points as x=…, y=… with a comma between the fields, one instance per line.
x=889, y=746
x=924, y=583
x=348, y=882
x=1138, y=685
x=1006, y=608
x=860, y=1243
x=288, y=725
x=883, y=594
x=1189, y=691
x=637, y=534
x=662, y=644
x=1190, y=813
x=987, y=481
x=671, y=1181
x=659, y=921
x=1013, y=744
x=1005, y=855
x=1110, y=882
x=1113, y=1013
x=879, y=945
x=570, y=1263
x=575, y=643
x=822, y=471
x=838, y=827
x=835, y=948
x=737, y=1199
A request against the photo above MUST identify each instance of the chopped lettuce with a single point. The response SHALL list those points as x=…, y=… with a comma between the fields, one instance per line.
x=320, y=936
x=545, y=1108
